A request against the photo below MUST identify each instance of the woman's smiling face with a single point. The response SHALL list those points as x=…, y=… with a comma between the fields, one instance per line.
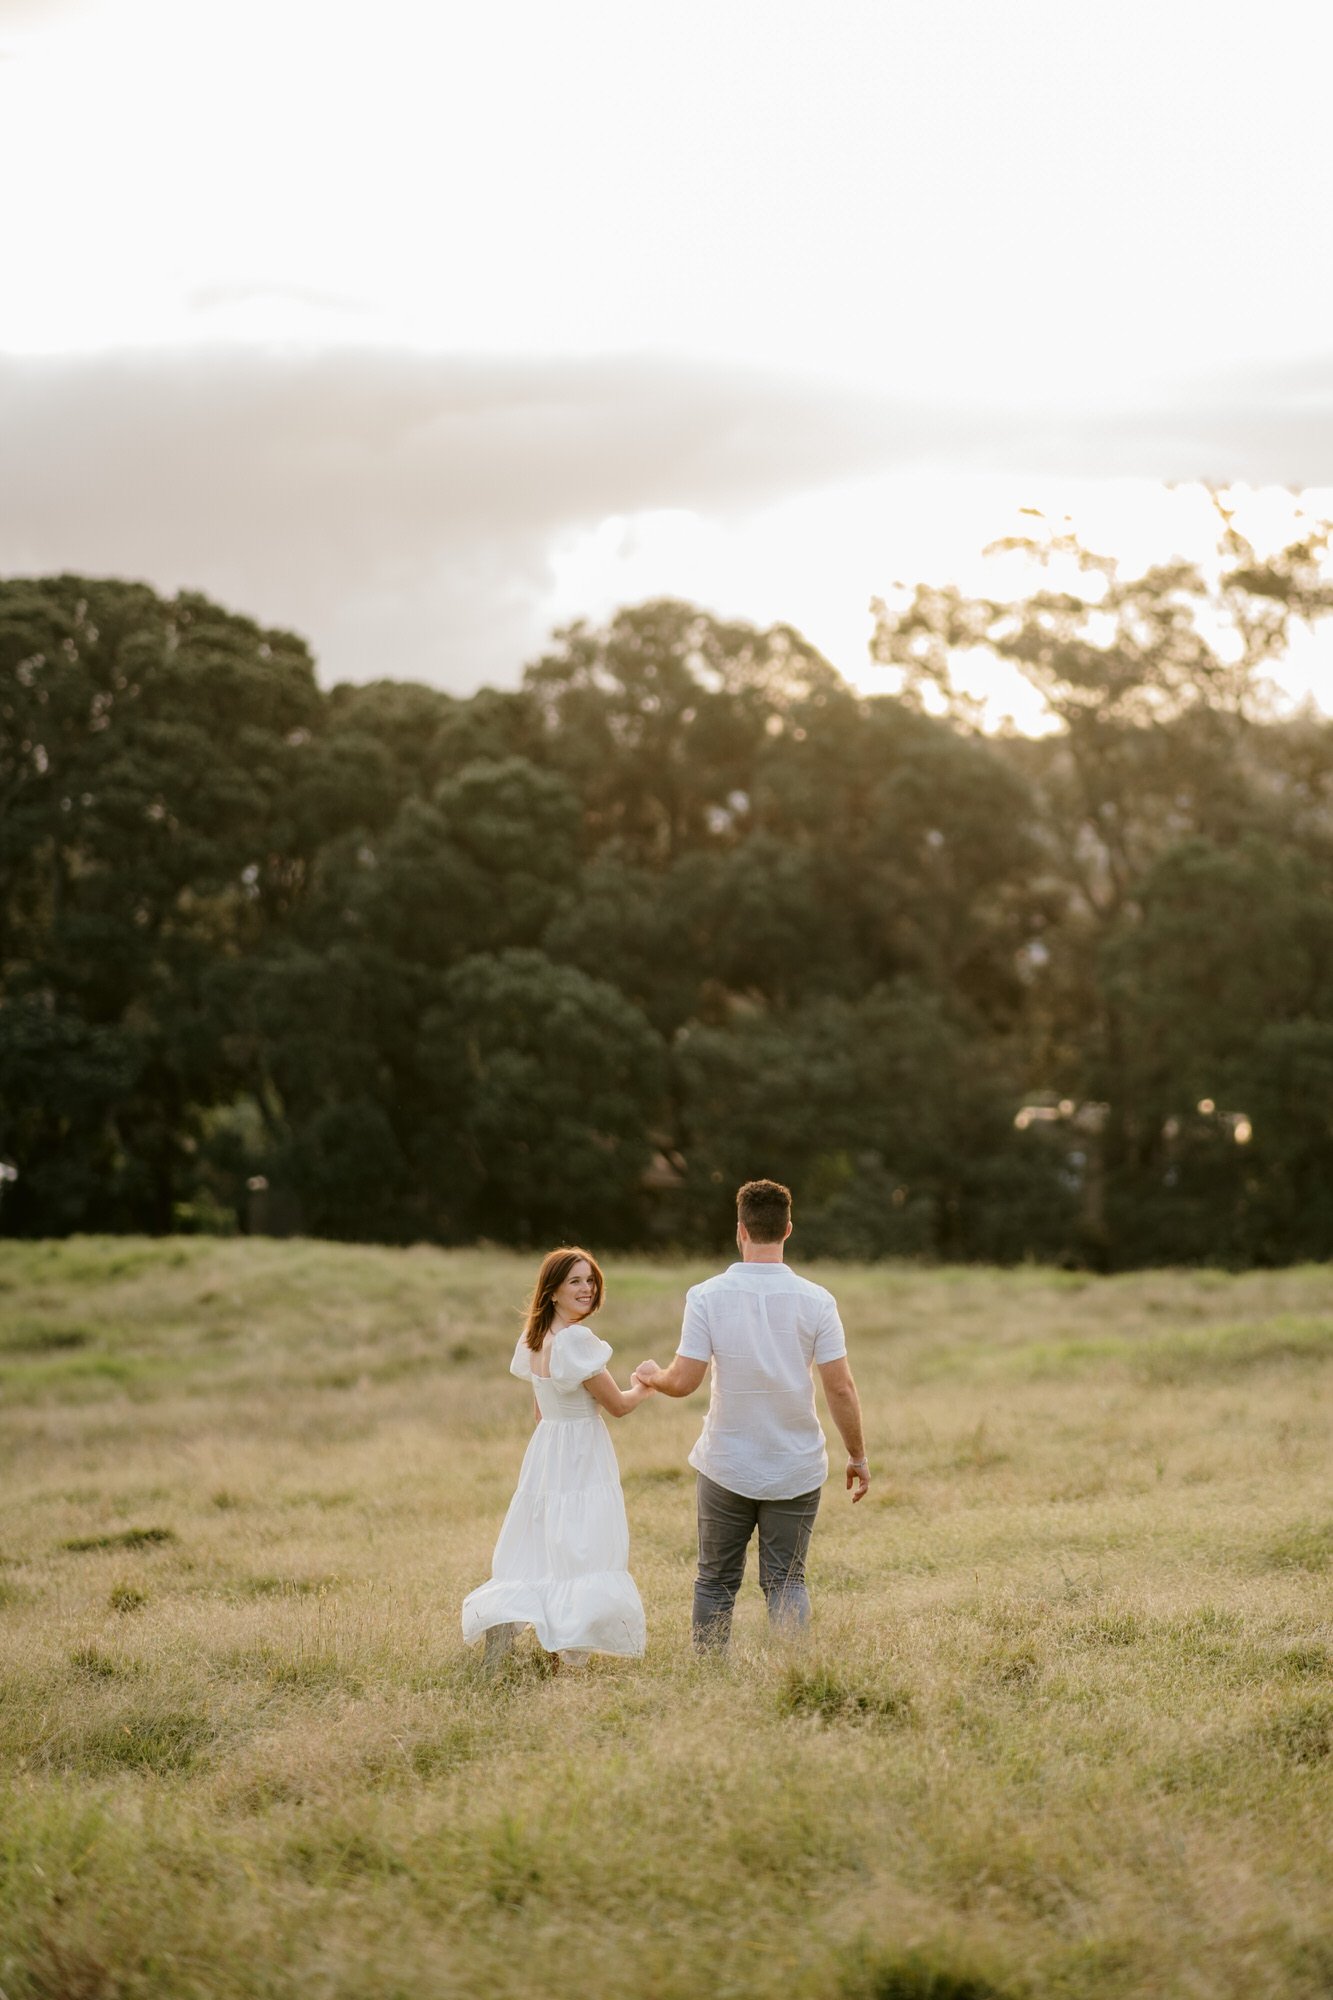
x=573, y=1299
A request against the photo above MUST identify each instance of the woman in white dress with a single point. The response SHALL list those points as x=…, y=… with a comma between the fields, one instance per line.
x=561, y=1564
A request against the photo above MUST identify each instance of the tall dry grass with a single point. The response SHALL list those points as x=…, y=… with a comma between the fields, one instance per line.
x=1063, y=1725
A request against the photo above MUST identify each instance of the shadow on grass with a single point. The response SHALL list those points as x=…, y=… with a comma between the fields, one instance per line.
x=59, y=1971
x=37, y=1337
x=284, y=1586
x=1301, y=1734
x=128, y=1538
x=822, y=1694
x=913, y=1976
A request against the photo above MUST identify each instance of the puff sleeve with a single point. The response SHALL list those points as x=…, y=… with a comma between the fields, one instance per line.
x=521, y=1365
x=575, y=1355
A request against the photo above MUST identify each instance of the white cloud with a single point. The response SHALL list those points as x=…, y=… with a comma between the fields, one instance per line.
x=431, y=518
x=400, y=509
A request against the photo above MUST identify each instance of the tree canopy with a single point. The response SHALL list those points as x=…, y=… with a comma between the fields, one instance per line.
x=381, y=962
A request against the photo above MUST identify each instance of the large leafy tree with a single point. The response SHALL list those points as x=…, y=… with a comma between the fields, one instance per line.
x=658, y=716
x=1158, y=683
x=146, y=746
x=442, y=967
x=544, y=1087
x=894, y=1115
x=922, y=840
x=1223, y=989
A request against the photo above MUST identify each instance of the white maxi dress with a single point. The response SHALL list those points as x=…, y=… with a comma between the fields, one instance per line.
x=561, y=1564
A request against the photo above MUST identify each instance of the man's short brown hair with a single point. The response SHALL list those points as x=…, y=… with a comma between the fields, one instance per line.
x=763, y=1209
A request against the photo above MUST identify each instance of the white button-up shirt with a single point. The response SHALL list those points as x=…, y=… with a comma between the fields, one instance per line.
x=764, y=1330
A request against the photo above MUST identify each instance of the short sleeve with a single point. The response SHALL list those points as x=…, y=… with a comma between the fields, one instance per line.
x=696, y=1341
x=577, y=1353
x=521, y=1365
x=830, y=1341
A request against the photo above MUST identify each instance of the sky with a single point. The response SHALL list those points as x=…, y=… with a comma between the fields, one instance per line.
x=424, y=329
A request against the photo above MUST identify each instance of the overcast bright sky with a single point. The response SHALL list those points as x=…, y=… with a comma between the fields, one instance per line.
x=421, y=328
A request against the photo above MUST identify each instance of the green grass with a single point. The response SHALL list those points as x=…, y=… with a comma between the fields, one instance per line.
x=1063, y=1725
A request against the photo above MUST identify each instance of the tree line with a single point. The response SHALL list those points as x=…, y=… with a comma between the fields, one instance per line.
x=569, y=962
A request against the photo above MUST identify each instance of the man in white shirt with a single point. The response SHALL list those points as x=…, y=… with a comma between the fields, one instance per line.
x=761, y=1457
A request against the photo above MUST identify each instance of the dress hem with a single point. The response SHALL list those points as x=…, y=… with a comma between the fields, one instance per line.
x=613, y=1623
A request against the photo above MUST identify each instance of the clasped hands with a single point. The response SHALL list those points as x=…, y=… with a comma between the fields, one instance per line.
x=646, y=1374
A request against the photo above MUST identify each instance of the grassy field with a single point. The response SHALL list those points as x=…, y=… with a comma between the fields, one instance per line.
x=1063, y=1724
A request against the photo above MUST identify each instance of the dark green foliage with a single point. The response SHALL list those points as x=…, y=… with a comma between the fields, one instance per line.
x=893, y=1118
x=1222, y=982
x=544, y=1083
x=572, y=961
x=345, y=1164
x=635, y=928
x=147, y=749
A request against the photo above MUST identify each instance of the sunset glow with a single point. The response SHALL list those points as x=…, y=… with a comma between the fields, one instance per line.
x=912, y=271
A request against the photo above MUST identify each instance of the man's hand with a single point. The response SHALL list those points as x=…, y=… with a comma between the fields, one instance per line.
x=858, y=1476
x=682, y=1378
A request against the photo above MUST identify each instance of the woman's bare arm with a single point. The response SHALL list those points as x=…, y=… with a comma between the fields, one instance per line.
x=617, y=1402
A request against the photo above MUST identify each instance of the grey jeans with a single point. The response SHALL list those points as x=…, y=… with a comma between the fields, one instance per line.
x=726, y=1522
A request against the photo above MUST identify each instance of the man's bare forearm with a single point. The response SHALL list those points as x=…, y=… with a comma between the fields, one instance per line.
x=668, y=1383
x=845, y=1410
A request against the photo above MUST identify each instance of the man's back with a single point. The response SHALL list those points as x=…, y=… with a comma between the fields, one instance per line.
x=764, y=1329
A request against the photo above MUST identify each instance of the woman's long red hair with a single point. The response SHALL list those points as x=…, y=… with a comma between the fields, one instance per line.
x=556, y=1267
